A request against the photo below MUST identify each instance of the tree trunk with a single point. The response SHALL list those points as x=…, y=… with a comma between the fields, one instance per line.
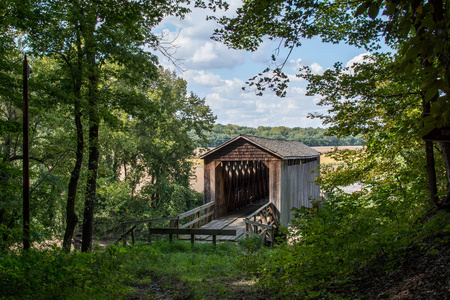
x=431, y=172
x=72, y=218
x=445, y=148
x=91, y=183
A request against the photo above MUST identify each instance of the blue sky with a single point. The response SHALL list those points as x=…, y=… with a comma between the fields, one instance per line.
x=218, y=74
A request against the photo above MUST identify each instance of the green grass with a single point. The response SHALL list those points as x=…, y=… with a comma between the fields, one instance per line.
x=143, y=271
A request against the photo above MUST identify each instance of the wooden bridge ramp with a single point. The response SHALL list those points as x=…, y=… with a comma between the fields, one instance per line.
x=199, y=224
x=233, y=221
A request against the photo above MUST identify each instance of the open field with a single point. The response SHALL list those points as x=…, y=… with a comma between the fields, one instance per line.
x=325, y=160
x=325, y=149
x=197, y=181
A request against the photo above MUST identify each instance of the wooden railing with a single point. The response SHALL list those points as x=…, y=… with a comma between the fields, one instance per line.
x=193, y=232
x=262, y=222
x=173, y=223
x=198, y=216
x=194, y=218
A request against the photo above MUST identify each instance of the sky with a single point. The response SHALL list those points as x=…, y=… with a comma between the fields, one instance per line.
x=217, y=73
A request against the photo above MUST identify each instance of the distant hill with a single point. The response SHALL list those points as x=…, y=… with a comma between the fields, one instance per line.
x=309, y=136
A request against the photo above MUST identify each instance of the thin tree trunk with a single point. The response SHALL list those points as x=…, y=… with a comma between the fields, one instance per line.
x=431, y=172
x=91, y=184
x=72, y=219
x=445, y=148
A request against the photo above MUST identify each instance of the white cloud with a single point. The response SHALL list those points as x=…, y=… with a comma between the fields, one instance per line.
x=218, y=74
x=294, y=64
x=294, y=78
x=357, y=59
x=235, y=106
x=191, y=37
x=316, y=68
x=204, y=54
x=203, y=78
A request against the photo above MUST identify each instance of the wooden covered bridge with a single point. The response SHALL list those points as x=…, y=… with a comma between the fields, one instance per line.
x=250, y=186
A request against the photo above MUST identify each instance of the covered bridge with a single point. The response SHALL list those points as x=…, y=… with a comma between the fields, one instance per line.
x=249, y=168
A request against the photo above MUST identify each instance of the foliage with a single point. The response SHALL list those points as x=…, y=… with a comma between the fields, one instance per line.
x=163, y=111
x=333, y=243
x=116, y=272
x=251, y=249
x=145, y=165
x=388, y=100
x=418, y=29
x=219, y=134
x=383, y=106
x=102, y=64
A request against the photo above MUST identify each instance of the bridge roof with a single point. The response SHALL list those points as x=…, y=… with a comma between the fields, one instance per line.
x=278, y=148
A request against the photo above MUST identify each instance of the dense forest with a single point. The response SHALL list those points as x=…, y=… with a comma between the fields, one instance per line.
x=112, y=135
x=308, y=136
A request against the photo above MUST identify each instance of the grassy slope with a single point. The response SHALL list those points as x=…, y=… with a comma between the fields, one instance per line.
x=165, y=270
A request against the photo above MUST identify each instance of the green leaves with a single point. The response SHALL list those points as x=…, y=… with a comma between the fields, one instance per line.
x=373, y=10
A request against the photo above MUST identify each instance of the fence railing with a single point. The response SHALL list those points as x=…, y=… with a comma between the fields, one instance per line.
x=194, y=218
x=262, y=222
x=197, y=217
x=193, y=232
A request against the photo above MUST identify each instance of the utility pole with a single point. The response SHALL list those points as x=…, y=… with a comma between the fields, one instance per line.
x=26, y=160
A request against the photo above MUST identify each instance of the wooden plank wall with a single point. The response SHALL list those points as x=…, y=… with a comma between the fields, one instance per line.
x=298, y=187
x=275, y=185
x=209, y=181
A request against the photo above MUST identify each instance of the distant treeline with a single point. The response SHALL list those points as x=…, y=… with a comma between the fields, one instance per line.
x=309, y=136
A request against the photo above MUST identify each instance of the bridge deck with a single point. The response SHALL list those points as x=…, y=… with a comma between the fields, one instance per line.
x=233, y=221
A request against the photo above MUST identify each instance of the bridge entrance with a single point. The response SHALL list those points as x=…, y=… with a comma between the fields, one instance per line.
x=240, y=183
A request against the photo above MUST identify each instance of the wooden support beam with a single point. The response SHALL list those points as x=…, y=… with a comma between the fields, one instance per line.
x=150, y=220
x=195, y=231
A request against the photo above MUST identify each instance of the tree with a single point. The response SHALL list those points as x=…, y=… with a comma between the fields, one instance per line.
x=417, y=29
x=84, y=36
x=145, y=165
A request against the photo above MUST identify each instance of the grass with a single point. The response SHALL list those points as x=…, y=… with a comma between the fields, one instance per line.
x=140, y=272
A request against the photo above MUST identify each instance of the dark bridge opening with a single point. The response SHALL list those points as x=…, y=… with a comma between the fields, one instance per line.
x=240, y=183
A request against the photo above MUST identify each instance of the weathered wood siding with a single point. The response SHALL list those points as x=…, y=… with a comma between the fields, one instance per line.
x=275, y=185
x=209, y=177
x=297, y=187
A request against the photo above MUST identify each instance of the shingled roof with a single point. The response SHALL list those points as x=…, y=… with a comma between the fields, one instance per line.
x=282, y=149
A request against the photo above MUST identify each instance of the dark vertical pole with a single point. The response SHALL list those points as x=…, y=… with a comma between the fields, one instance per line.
x=26, y=161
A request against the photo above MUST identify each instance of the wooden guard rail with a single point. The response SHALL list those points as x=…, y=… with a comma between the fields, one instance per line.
x=194, y=218
x=198, y=216
x=262, y=222
x=192, y=232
